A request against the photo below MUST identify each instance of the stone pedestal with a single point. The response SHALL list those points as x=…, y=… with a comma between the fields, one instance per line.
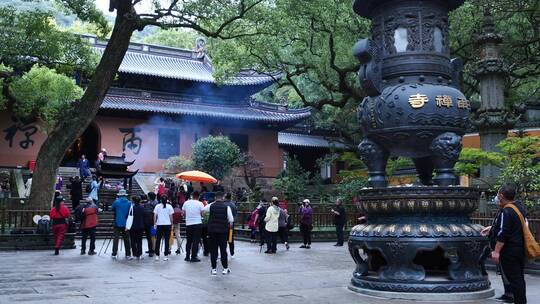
x=419, y=240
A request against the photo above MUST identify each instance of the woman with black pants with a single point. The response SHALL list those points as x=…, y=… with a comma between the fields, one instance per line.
x=163, y=218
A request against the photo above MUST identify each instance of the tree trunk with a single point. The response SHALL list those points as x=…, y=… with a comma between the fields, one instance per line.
x=68, y=129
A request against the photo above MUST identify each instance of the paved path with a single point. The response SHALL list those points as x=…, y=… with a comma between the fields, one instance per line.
x=319, y=275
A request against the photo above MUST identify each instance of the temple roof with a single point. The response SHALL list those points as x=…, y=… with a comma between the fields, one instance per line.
x=308, y=141
x=167, y=62
x=252, y=111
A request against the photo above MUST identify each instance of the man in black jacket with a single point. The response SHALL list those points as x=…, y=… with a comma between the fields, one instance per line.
x=219, y=221
x=509, y=249
x=340, y=218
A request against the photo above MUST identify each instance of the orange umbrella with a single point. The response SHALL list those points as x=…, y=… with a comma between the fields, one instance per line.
x=197, y=176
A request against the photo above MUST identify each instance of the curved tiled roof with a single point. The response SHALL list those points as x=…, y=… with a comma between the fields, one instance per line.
x=158, y=61
x=258, y=112
x=307, y=140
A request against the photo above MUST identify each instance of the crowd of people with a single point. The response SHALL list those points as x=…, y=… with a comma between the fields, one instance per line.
x=156, y=217
x=212, y=224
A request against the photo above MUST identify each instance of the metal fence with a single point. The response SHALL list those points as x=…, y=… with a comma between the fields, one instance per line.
x=486, y=218
x=16, y=219
x=320, y=219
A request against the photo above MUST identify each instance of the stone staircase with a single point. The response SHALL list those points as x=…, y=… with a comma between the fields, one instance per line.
x=106, y=195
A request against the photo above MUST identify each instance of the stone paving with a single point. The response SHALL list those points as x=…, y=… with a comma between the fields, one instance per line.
x=319, y=275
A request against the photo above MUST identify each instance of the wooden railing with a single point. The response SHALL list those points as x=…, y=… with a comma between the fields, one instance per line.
x=16, y=219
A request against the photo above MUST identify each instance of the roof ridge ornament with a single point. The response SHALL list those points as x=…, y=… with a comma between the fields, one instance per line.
x=200, y=47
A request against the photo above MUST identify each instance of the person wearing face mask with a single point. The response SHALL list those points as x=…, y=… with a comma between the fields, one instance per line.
x=508, y=246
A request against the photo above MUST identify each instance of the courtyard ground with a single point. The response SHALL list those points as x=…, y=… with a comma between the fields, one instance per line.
x=319, y=275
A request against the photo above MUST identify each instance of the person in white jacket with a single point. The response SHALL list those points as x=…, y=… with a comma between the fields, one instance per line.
x=272, y=226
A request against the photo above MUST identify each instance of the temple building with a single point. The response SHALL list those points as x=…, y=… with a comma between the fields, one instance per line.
x=162, y=101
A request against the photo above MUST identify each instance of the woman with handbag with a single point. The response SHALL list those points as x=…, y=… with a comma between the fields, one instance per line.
x=59, y=215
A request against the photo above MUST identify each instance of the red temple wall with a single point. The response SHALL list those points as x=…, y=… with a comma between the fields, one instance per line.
x=16, y=155
x=262, y=144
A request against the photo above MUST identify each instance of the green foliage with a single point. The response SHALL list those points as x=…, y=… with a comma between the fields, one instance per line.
x=518, y=161
x=292, y=181
x=349, y=186
x=216, y=155
x=177, y=164
x=178, y=38
x=355, y=165
x=517, y=22
x=30, y=37
x=310, y=42
x=352, y=179
x=38, y=62
x=396, y=164
x=521, y=167
x=472, y=159
x=252, y=169
x=86, y=11
x=42, y=93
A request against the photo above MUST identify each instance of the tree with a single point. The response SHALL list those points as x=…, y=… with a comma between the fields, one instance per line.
x=292, y=181
x=216, y=155
x=252, y=169
x=518, y=160
x=178, y=38
x=35, y=61
x=211, y=18
x=310, y=42
x=472, y=159
x=521, y=167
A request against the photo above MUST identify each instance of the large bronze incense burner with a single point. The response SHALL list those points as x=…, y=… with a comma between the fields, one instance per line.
x=417, y=239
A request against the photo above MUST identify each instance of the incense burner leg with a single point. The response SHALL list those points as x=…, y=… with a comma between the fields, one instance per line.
x=445, y=148
x=375, y=157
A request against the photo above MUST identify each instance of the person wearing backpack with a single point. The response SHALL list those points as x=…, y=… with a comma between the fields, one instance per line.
x=509, y=249
x=59, y=215
x=89, y=222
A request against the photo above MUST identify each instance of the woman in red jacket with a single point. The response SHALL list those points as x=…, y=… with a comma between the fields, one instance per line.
x=59, y=214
